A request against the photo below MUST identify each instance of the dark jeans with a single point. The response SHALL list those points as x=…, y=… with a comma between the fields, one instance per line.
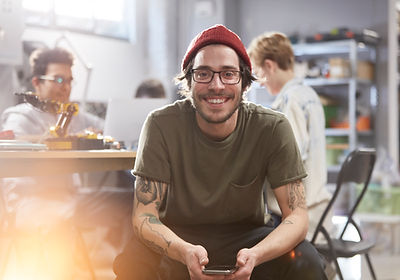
x=107, y=204
x=222, y=244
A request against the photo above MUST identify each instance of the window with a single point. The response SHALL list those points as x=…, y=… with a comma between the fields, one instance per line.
x=102, y=17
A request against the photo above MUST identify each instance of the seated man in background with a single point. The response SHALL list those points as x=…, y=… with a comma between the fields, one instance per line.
x=45, y=206
x=52, y=80
x=200, y=168
x=272, y=56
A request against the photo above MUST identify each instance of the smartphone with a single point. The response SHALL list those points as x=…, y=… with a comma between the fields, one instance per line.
x=220, y=269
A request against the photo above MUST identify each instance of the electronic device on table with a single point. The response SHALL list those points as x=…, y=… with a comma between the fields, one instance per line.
x=125, y=118
x=59, y=138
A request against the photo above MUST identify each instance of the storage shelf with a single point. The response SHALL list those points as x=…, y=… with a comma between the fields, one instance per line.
x=345, y=132
x=354, y=52
x=334, y=81
x=337, y=146
x=329, y=48
x=337, y=132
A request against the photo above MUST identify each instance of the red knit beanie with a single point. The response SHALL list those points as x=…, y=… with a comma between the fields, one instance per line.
x=217, y=34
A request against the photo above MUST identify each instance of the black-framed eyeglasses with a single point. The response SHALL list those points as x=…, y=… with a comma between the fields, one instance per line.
x=227, y=77
x=57, y=79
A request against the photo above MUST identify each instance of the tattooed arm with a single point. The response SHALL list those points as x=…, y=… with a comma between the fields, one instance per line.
x=292, y=230
x=148, y=228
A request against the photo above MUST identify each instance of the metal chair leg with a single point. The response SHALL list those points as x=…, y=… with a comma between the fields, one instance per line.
x=371, y=269
x=338, y=271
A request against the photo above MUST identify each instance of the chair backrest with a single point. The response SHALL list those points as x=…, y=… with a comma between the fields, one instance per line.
x=356, y=168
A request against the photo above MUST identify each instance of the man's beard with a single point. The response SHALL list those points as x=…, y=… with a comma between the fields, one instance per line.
x=209, y=119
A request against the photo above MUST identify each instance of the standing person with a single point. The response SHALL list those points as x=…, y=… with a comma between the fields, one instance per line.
x=200, y=169
x=273, y=60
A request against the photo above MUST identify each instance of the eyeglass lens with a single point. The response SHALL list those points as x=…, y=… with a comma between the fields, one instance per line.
x=61, y=80
x=57, y=79
x=226, y=76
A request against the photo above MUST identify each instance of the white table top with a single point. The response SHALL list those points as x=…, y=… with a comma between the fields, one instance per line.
x=31, y=163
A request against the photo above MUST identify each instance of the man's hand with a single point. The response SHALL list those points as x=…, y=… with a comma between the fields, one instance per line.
x=196, y=259
x=245, y=261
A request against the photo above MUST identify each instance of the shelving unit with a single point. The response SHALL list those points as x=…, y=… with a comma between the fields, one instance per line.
x=352, y=86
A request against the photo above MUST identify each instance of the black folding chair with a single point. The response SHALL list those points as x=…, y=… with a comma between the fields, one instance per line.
x=357, y=168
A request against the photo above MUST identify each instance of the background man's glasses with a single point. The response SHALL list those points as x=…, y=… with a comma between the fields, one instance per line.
x=227, y=77
x=57, y=79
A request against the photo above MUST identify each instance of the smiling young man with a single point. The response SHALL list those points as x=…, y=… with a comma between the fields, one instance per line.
x=200, y=168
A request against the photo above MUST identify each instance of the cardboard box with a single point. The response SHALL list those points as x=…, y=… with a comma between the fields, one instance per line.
x=340, y=68
x=365, y=70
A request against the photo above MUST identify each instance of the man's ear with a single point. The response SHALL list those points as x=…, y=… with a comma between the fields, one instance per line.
x=35, y=82
x=270, y=64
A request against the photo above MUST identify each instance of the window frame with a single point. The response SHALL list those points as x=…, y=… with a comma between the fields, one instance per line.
x=121, y=30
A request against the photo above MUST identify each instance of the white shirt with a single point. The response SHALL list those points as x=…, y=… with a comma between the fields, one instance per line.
x=24, y=119
x=302, y=107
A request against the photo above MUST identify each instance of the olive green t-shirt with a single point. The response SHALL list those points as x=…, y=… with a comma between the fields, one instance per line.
x=216, y=182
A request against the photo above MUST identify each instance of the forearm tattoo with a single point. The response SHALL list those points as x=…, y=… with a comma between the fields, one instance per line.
x=148, y=221
x=297, y=197
x=149, y=191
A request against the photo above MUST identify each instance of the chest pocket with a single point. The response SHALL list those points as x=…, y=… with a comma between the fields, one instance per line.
x=244, y=201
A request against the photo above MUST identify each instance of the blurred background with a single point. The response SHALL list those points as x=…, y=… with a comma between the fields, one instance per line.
x=346, y=49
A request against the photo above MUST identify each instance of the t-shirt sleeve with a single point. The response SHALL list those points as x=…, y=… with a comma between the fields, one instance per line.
x=284, y=164
x=20, y=124
x=152, y=154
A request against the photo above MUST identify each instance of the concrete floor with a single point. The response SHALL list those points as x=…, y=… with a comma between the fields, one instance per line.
x=385, y=256
x=385, y=259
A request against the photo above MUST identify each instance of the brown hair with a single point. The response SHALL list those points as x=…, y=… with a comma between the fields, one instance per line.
x=41, y=58
x=151, y=88
x=274, y=46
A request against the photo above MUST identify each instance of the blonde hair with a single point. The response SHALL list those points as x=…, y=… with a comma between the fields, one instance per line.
x=274, y=46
